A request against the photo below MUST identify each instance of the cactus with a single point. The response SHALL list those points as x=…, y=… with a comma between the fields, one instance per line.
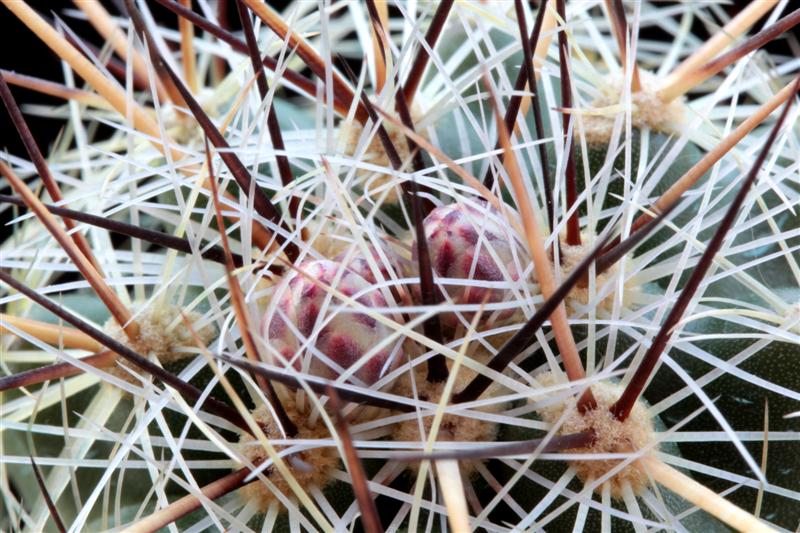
x=520, y=271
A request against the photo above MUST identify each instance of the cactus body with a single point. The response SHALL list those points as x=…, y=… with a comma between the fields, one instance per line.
x=329, y=282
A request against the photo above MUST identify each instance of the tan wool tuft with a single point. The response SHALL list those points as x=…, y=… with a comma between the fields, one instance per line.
x=325, y=240
x=452, y=428
x=648, y=110
x=181, y=127
x=375, y=154
x=496, y=341
x=156, y=336
x=613, y=436
x=330, y=239
x=579, y=297
x=319, y=463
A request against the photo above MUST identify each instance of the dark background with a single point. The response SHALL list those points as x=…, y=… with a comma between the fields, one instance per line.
x=23, y=52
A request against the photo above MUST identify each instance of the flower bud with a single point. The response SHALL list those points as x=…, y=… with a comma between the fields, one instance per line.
x=309, y=328
x=389, y=268
x=469, y=242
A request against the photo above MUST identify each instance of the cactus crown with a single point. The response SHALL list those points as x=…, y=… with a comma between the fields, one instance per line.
x=500, y=278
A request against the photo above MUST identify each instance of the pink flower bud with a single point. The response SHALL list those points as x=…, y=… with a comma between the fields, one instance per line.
x=394, y=268
x=309, y=328
x=469, y=242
